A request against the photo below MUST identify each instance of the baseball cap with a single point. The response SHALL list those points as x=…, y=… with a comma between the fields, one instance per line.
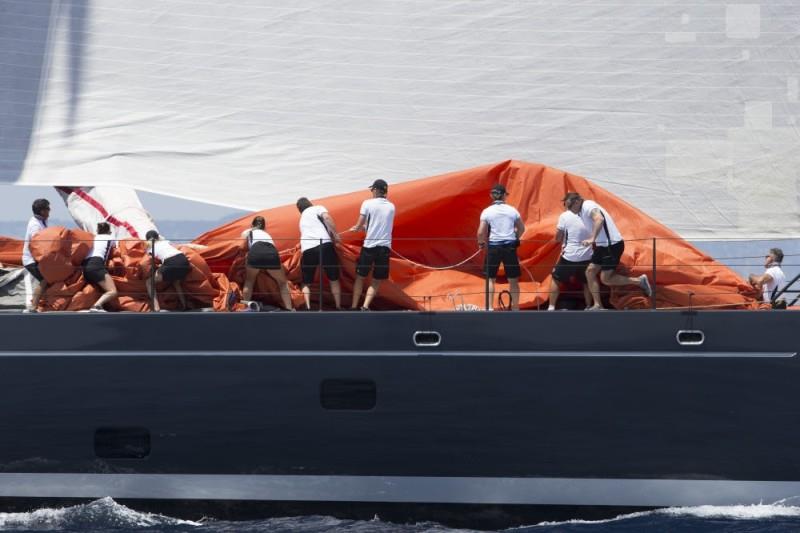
x=499, y=189
x=379, y=184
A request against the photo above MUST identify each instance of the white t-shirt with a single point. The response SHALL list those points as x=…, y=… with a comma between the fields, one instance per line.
x=312, y=229
x=778, y=280
x=502, y=219
x=163, y=250
x=257, y=235
x=35, y=225
x=575, y=231
x=586, y=215
x=102, y=245
x=380, y=219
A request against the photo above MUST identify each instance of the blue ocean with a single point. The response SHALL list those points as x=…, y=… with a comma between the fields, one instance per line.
x=107, y=515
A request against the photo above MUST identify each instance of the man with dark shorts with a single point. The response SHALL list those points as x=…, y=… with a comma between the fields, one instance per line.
x=317, y=237
x=608, y=248
x=377, y=216
x=575, y=256
x=38, y=222
x=501, y=226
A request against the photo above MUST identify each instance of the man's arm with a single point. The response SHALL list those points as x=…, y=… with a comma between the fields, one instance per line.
x=362, y=219
x=483, y=231
x=759, y=281
x=597, y=218
x=330, y=225
x=559, y=235
x=519, y=227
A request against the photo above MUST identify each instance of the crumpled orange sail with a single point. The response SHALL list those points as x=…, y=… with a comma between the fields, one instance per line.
x=435, y=262
x=436, y=224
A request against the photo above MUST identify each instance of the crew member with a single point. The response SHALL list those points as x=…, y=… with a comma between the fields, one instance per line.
x=38, y=222
x=575, y=256
x=773, y=278
x=262, y=255
x=501, y=225
x=174, y=268
x=94, y=266
x=608, y=247
x=377, y=217
x=317, y=237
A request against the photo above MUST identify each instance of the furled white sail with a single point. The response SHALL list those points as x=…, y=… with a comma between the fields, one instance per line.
x=688, y=110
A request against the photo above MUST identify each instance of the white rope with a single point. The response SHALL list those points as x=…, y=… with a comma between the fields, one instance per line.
x=401, y=256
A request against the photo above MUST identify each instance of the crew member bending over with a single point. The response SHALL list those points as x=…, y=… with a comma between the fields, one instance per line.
x=377, y=216
x=174, y=268
x=262, y=255
x=38, y=222
x=608, y=248
x=317, y=238
x=502, y=226
x=94, y=266
x=575, y=256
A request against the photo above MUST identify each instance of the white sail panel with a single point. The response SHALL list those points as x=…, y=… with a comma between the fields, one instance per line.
x=687, y=110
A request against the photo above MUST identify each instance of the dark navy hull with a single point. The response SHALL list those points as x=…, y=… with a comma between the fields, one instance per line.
x=510, y=413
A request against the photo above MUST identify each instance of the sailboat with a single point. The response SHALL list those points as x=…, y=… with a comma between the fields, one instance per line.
x=476, y=418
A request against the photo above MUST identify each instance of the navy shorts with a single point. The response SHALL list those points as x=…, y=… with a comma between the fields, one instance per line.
x=567, y=271
x=502, y=253
x=608, y=256
x=325, y=254
x=377, y=256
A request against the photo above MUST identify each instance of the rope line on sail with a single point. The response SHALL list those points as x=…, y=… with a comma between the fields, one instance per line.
x=460, y=263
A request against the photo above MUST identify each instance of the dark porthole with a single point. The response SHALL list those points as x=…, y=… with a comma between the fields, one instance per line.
x=353, y=394
x=121, y=442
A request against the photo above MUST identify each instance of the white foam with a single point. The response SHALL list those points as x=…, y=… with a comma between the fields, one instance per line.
x=102, y=513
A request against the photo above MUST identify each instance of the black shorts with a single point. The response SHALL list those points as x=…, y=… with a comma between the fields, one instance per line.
x=378, y=256
x=263, y=255
x=33, y=268
x=94, y=270
x=567, y=271
x=608, y=256
x=326, y=253
x=175, y=268
x=502, y=253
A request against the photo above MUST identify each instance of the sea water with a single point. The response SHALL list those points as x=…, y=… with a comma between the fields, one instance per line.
x=107, y=515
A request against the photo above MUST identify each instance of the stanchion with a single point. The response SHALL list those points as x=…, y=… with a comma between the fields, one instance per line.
x=320, y=269
x=655, y=285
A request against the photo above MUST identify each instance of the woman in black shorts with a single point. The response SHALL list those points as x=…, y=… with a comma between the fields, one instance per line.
x=262, y=255
x=94, y=266
x=174, y=268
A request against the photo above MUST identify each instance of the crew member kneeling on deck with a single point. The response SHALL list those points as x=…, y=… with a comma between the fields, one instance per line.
x=262, y=255
x=377, y=216
x=174, y=268
x=608, y=248
x=317, y=238
x=502, y=226
x=38, y=222
x=94, y=266
x=575, y=256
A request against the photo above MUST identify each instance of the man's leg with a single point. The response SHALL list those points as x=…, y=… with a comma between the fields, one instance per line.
x=491, y=293
x=336, y=290
x=372, y=291
x=358, y=286
x=594, y=286
x=554, y=291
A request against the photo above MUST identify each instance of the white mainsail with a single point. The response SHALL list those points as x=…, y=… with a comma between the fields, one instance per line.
x=686, y=110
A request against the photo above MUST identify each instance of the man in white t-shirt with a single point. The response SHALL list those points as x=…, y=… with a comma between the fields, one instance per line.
x=608, y=248
x=575, y=257
x=501, y=227
x=773, y=278
x=377, y=217
x=317, y=237
x=38, y=222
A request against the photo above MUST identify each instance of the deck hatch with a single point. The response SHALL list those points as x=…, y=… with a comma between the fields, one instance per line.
x=348, y=394
x=122, y=442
